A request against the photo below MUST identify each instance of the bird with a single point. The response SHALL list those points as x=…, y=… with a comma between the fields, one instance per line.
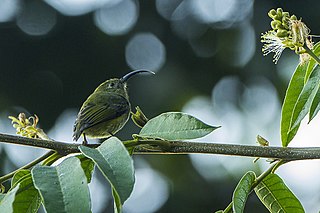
x=106, y=110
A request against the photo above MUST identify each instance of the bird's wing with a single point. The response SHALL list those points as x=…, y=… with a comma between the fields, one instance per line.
x=106, y=106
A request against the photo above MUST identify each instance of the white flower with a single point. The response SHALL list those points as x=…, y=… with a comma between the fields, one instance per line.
x=273, y=44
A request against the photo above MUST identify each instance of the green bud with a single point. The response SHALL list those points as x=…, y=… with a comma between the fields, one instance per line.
x=285, y=25
x=292, y=47
x=293, y=17
x=279, y=15
x=139, y=118
x=262, y=141
x=300, y=51
x=281, y=27
x=282, y=33
x=272, y=13
x=279, y=11
x=285, y=15
x=275, y=24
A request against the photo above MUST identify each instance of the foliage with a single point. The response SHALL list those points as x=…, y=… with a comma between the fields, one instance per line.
x=55, y=186
x=276, y=196
x=301, y=98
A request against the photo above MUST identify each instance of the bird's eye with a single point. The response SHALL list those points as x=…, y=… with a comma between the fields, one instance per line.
x=112, y=84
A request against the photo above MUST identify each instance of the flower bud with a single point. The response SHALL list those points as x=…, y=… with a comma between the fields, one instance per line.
x=275, y=24
x=272, y=13
x=293, y=17
x=282, y=33
x=139, y=118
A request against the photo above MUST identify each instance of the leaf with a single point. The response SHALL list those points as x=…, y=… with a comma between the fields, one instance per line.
x=175, y=126
x=18, y=176
x=2, y=196
x=115, y=163
x=27, y=198
x=303, y=103
x=242, y=191
x=294, y=89
x=87, y=165
x=312, y=62
x=276, y=196
x=315, y=106
x=6, y=203
x=63, y=188
x=117, y=205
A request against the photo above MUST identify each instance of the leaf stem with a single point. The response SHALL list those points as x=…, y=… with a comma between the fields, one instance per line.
x=51, y=159
x=270, y=170
x=27, y=166
x=311, y=54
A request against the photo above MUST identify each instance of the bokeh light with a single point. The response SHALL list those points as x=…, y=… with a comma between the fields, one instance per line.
x=150, y=191
x=117, y=19
x=36, y=18
x=100, y=193
x=167, y=7
x=205, y=45
x=63, y=128
x=221, y=13
x=145, y=51
x=206, y=165
x=8, y=9
x=286, y=66
x=259, y=98
x=210, y=11
x=78, y=7
x=241, y=48
x=53, y=53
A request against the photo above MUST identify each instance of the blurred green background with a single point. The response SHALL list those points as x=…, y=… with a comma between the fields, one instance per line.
x=208, y=62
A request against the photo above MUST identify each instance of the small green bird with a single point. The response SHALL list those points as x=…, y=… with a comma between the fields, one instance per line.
x=106, y=110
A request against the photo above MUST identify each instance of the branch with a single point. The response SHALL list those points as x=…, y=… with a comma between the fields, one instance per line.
x=61, y=147
x=179, y=147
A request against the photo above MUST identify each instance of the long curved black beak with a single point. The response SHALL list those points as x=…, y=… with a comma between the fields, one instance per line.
x=130, y=74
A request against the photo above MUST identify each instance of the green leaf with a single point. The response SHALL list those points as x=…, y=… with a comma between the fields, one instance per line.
x=117, y=205
x=63, y=188
x=242, y=191
x=87, y=165
x=294, y=89
x=6, y=203
x=114, y=161
x=18, y=176
x=276, y=196
x=175, y=126
x=305, y=99
x=312, y=62
x=315, y=106
x=27, y=198
x=2, y=196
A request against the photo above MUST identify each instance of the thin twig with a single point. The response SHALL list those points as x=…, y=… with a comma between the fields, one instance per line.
x=270, y=170
x=27, y=166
